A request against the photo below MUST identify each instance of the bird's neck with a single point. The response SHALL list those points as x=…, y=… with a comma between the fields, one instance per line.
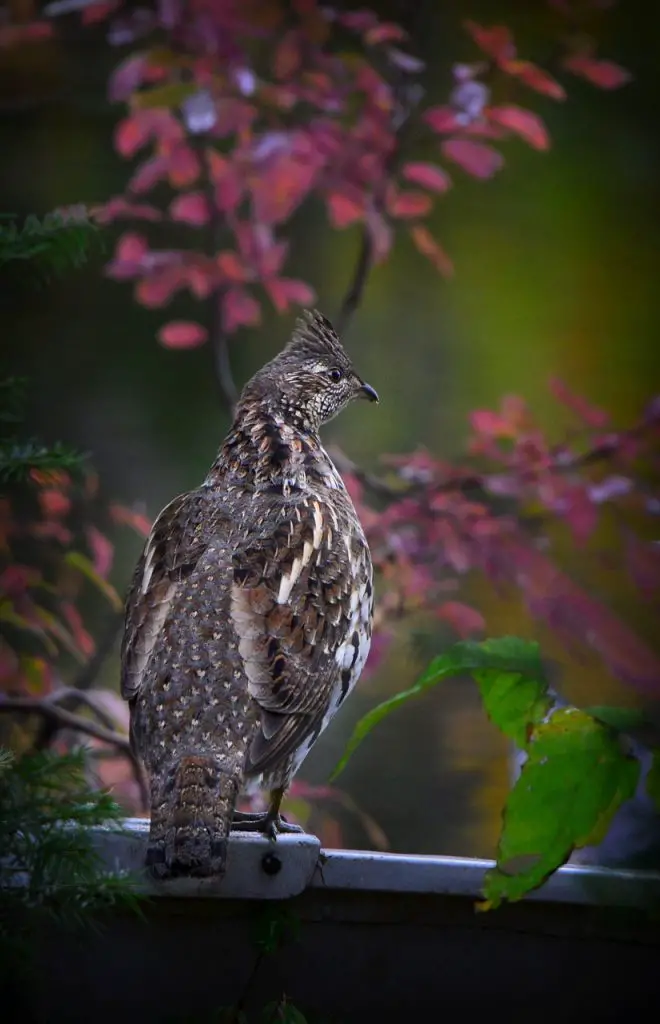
x=263, y=451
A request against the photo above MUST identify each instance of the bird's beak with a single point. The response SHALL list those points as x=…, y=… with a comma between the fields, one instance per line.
x=366, y=391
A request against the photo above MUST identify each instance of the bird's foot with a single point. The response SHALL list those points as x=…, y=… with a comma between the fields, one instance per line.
x=264, y=822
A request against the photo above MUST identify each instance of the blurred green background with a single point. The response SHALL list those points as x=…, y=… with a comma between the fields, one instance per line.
x=556, y=273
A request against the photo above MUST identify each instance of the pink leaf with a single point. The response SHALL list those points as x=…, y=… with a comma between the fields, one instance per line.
x=589, y=414
x=282, y=186
x=102, y=551
x=428, y=175
x=119, y=207
x=428, y=246
x=192, y=208
x=231, y=266
x=442, y=119
x=131, y=247
x=386, y=32
x=409, y=204
x=603, y=73
x=528, y=125
x=288, y=56
x=126, y=77
x=183, y=166
x=32, y=32
x=148, y=174
x=157, y=289
x=343, y=211
x=580, y=513
x=475, y=158
x=239, y=309
x=182, y=334
x=496, y=40
x=534, y=77
x=464, y=620
x=283, y=290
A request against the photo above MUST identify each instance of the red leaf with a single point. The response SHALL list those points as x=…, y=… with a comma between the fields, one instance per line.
x=386, y=32
x=283, y=290
x=475, y=158
x=580, y=513
x=643, y=561
x=428, y=175
x=119, y=207
x=143, y=125
x=282, y=186
x=239, y=309
x=603, y=73
x=343, y=211
x=129, y=253
x=126, y=78
x=534, y=77
x=589, y=414
x=441, y=119
x=523, y=122
x=409, y=204
x=102, y=551
x=465, y=621
x=148, y=174
x=182, y=334
x=157, y=289
x=124, y=516
x=496, y=40
x=83, y=640
x=231, y=266
x=428, y=246
x=183, y=166
x=98, y=12
x=14, y=35
x=192, y=208
x=287, y=56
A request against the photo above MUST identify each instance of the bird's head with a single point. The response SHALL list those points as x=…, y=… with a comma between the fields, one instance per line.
x=312, y=379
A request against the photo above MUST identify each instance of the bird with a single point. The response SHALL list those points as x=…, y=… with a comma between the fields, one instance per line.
x=249, y=616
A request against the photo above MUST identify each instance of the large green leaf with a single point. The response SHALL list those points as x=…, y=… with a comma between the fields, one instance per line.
x=574, y=780
x=509, y=673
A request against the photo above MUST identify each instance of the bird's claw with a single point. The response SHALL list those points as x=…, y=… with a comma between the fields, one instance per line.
x=249, y=821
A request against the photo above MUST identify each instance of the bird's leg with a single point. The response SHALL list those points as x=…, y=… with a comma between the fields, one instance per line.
x=269, y=822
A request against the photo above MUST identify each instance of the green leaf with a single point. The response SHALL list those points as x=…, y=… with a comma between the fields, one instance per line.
x=619, y=719
x=506, y=655
x=171, y=95
x=575, y=779
x=513, y=702
x=653, y=779
x=85, y=566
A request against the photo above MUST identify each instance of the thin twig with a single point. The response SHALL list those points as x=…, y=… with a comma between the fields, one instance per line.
x=90, y=670
x=49, y=709
x=355, y=291
x=220, y=349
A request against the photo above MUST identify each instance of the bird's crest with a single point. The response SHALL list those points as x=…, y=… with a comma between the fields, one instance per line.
x=314, y=335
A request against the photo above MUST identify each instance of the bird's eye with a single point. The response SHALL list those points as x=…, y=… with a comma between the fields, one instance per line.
x=335, y=375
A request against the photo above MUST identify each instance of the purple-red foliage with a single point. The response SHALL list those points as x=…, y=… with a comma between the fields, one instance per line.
x=236, y=114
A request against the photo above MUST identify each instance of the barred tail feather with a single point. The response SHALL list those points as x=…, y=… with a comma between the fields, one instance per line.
x=191, y=816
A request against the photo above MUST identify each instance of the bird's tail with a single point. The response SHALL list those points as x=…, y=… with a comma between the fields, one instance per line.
x=191, y=816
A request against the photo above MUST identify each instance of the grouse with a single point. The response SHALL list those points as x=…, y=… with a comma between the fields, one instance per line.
x=249, y=616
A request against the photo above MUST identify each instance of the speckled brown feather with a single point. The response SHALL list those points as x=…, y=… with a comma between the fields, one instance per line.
x=249, y=617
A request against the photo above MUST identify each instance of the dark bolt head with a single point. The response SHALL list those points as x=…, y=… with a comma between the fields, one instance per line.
x=271, y=864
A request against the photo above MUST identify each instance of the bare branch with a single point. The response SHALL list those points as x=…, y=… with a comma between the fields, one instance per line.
x=355, y=291
x=49, y=710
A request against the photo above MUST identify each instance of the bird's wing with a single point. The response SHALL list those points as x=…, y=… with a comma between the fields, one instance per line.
x=292, y=604
x=170, y=554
